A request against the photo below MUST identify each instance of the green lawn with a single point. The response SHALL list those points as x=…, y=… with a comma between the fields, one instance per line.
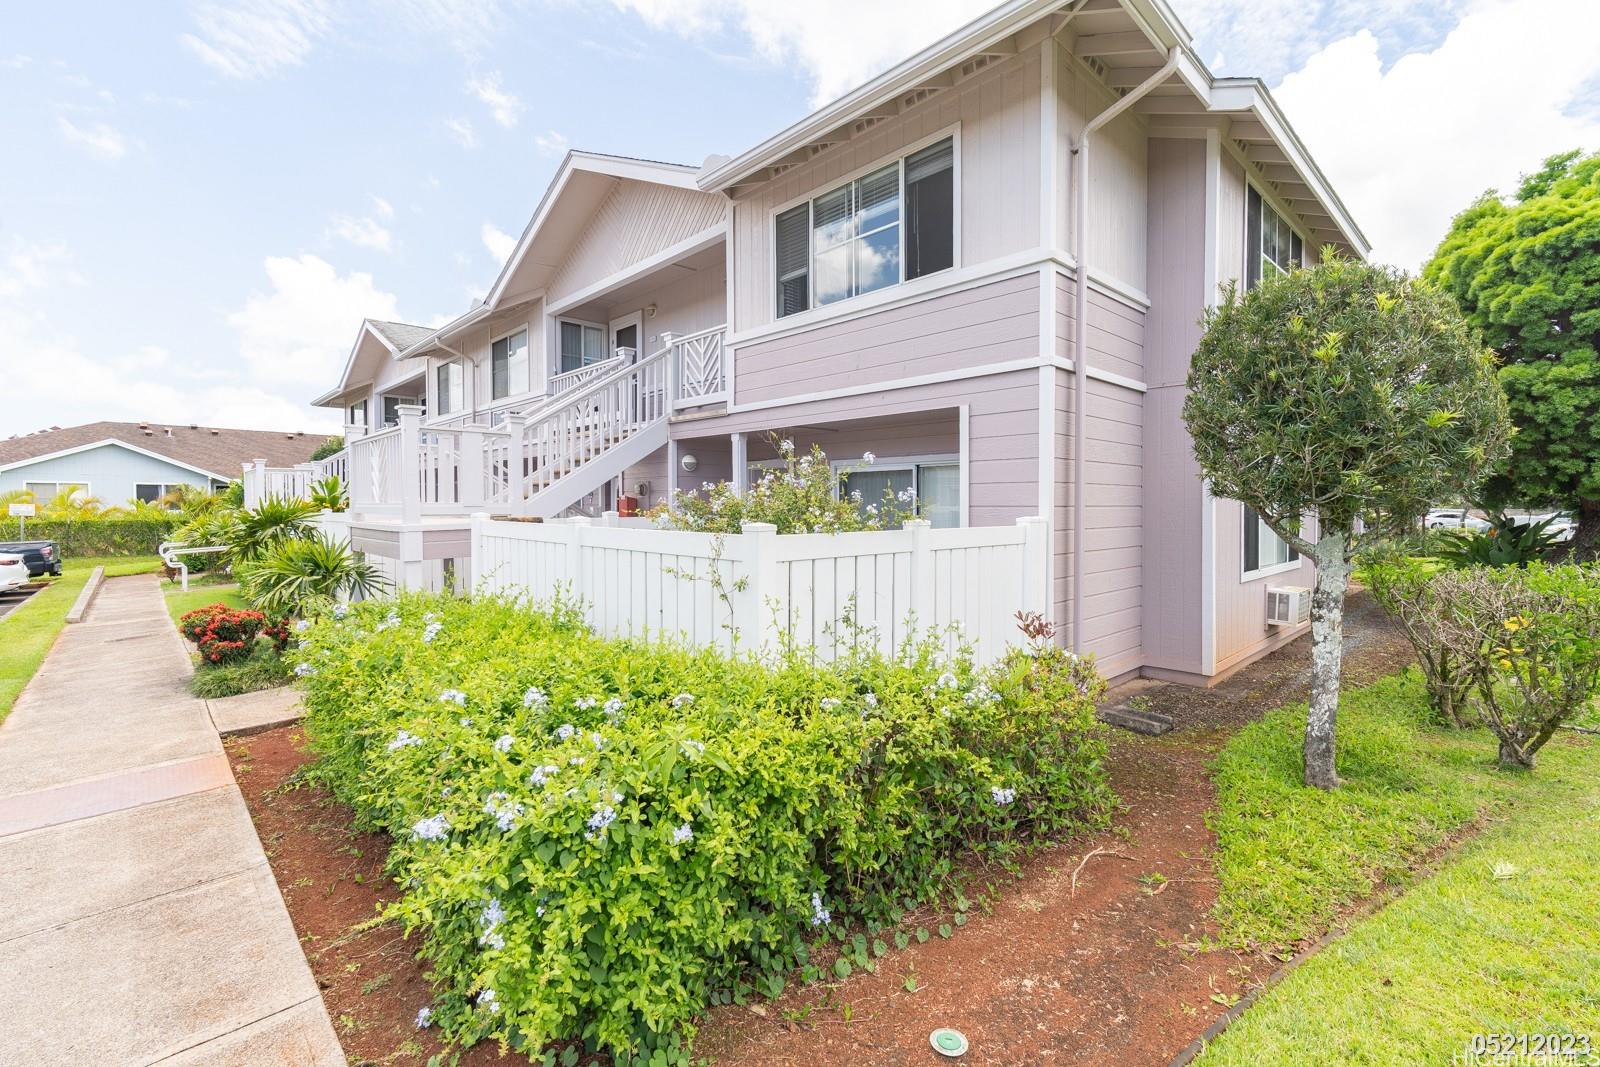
x=28, y=632
x=179, y=602
x=1505, y=937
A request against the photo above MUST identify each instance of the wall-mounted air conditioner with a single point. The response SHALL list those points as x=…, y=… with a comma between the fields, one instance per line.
x=1288, y=605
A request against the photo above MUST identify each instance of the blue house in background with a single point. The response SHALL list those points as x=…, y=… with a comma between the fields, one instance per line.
x=116, y=463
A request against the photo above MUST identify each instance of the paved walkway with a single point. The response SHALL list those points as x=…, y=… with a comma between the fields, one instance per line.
x=139, y=921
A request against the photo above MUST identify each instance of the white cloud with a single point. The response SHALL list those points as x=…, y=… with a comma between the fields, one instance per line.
x=29, y=265
x=384, y=209
x=503, y=105
x=1410, y=146
x=97, y=139
x=296, y=336
x=839, y=43
x=256, y=38
x=15, y=62
x=499, y=243
x=551, y=143
x=365, y=231
x=462, y=131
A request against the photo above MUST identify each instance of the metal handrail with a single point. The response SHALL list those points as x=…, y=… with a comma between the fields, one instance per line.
x=169, y=551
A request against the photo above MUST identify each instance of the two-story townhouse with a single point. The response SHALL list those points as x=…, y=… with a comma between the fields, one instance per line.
x=987, y=267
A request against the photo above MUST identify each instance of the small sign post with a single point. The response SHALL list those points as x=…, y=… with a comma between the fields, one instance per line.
x=22, y=513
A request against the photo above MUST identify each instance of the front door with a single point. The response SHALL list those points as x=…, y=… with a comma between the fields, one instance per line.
x=627, y=332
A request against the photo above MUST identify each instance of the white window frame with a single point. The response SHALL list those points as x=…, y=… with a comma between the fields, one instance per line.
x=366, y=413
x=914, y=464
x=88, y=490
x=524, y=327
x=899, y=156
x=1278, y=209
x=165, y=487
x=605, y=341
x=1248, y=575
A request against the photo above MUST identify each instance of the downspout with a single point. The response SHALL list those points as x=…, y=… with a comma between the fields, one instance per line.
x=1080, y=304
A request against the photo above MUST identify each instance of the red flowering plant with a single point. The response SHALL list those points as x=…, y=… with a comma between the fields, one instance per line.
x=230, y=635
x=192, y=625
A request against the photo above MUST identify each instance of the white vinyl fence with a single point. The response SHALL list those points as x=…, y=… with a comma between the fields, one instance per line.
x=827, y=591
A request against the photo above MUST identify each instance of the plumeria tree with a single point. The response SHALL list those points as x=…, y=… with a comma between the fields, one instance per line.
x=1343, y=395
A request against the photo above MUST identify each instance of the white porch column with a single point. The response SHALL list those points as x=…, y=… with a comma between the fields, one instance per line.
x=672, y=372
x=741, y=463
x=672, y=473
x=412, y=575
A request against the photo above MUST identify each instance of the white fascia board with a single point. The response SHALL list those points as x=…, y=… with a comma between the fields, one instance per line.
x=345, y=385
x=676, y=175
x=118, y=442
x=1267, y=111
x=970, y=39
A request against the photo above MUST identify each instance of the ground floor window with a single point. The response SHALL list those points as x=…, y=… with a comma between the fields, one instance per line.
x=44, y=492
x=154, y=492
x=1263, y=549
x=581, y=344
x=935, y=485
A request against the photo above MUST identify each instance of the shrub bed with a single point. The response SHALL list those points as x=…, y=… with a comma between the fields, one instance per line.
x=108, y=536
x=599, y=837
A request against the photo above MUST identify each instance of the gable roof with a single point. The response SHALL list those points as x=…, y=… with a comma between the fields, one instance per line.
x=1123, y=40
x=394, y=337
x=212, y=450
x=399, y=335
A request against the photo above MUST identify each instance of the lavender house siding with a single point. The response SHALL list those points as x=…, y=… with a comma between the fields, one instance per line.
x=1173, y=612
x=636, y=221
x=985, y=324
x=997, y=114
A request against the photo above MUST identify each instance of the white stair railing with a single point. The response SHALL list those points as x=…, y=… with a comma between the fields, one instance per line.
x=591, y=420
x=700, y=368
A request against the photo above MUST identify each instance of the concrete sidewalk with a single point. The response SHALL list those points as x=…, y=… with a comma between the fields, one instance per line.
x=139, y=921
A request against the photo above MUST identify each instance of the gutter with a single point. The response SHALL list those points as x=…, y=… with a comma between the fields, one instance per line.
x=1080, y=302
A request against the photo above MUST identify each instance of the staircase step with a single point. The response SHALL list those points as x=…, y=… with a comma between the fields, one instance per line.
x=1149, y=723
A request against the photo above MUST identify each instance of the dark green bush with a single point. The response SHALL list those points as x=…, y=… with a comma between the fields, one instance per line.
x=263, y=670
x=98, y=536
x=597, y=837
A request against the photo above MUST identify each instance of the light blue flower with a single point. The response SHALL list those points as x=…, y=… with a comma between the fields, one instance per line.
x=535, y=698
x=431, y=631
x=871, y=700
x=1001, y=796
x=503, y=809
x=697, y=747
x=503, y=743
x=424, y=1017
x=433, y=828
x=489, y=1001
x=404, y=739
x=682, y=834
x=454, y=696
x=613, y=709
x=302, y=670
x=830, y=703
x=542, y=774
x=603, y=817
x=947, y=681
x=683, y=700
x=566, y=731
x=820, y=916
x=302, y=625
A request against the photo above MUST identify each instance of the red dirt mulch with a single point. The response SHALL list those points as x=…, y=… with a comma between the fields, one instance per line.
x=1110, y=973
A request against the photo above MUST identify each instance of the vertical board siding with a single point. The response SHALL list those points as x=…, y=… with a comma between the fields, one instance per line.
x=990, y=323
x=1230, y=221
x=829, y=592
x=1118, y=175
x=635, y=221
x=998, y=114
x=1242, y=630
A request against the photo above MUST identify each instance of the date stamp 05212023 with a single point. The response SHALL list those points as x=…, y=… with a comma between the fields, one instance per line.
x=1505, y=1049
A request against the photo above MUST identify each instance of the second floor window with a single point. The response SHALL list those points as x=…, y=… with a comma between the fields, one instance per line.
x=356, y=414
x=508, y=365
x=889, y=226
x=1271, y=246
x=581, y=344
x=451, y=394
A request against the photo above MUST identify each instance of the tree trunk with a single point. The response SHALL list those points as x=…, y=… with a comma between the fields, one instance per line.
x=1585, y=547
x=1327, y=652
x=1513, y=757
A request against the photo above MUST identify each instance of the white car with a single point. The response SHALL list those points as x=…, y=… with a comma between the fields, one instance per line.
x=13, y=572
x=1454, y=519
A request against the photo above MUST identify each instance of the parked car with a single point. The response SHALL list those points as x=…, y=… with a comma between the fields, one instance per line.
x=13, y=571
x=40, y=557
x=1454, y=519
x=1563, y=524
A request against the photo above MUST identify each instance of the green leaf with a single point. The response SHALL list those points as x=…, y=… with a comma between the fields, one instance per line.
x=841, y=967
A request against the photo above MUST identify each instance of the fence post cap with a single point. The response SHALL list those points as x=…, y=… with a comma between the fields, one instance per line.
x=758, y=528
x=917, y=524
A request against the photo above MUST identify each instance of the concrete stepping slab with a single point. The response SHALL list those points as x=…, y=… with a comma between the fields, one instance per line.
x=249, y=712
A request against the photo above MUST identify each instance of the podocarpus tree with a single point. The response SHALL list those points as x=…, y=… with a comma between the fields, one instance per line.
x=1526, y=271
x=1342, y=393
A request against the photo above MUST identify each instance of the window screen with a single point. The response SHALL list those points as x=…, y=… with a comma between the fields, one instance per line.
x=1262, y=547
x=508, y=365
x=930, y=210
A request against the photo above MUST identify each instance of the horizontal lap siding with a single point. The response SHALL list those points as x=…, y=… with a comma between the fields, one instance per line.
x=1115, y=336
x=998, y=115
x=990, y=323
x=636, y=220
x=1242, y=630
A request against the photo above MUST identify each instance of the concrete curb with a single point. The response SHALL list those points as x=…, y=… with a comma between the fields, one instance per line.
x=80, y=607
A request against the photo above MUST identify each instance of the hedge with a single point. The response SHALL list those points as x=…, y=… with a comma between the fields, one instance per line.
x=600, y=837
x=110, y=536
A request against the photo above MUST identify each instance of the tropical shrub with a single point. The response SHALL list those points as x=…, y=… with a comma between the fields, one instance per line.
x=600, y=837
x=262, y=669
x=329, y=494
x=305, y=575
x=1531, y=640
x=1404, y=586
x=253, y=532
x=802, y=496
x=1504, y=544
x=100, y=535
x=222, y=634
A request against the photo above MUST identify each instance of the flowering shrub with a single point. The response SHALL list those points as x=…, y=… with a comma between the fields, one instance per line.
x=222, y=634
x=1531, y=640
x=1404, y=586
x=600, y=837
x=800, y=497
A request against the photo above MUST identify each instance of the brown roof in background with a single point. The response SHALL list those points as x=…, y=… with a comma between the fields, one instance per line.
x=216, y=449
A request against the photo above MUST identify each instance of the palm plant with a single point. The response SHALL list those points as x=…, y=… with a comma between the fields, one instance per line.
x=329, y=494
x=304, y=576
x=254, y=532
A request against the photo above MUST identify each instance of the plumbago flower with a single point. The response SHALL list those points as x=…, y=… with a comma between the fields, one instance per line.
x=303, y=670
x=431, y=631
x=696, y=747
x=302, y=625
x=541, y=775
x=871, y=700
x=682, y=834
x=503, y=743
x=947, y=681
x=489, y=920
x=1001, y=796
x=613, y=710
x=503, y=810
x=433, y=828
x=341, y=610
x=820, y=916
x=424, y=1017
x=565, y=731
x=597, y=740
x=454, y=696
x=489, y=1001
x=830, y=703
x=981, y=694
x=868, y=458
x=404, y=739
x=604, y=815
x=585, y=703
x=389, y=622
x=535, y=698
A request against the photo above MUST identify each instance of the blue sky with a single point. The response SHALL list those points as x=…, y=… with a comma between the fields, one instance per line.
x=200, y=200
